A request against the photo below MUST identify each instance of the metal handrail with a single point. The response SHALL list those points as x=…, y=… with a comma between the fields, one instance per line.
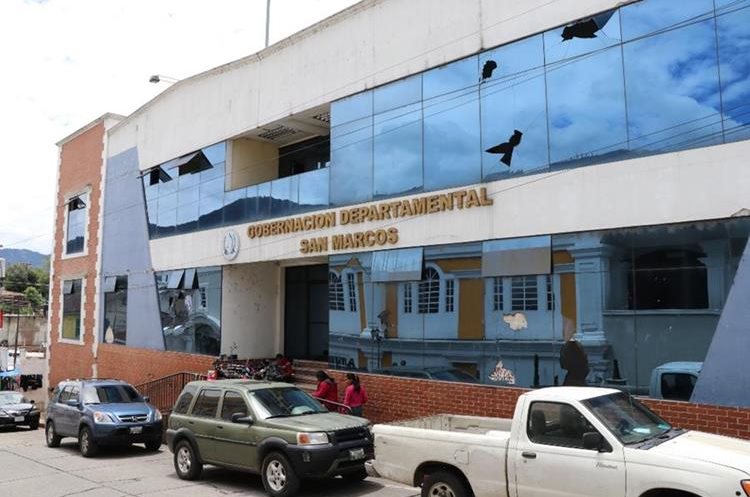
x=341, y=408
x=163, y=392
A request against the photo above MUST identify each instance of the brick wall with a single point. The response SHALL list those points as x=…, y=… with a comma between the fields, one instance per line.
x=393, y=398
x=141, y=365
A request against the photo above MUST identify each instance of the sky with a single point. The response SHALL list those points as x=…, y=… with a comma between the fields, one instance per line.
x=66, y=62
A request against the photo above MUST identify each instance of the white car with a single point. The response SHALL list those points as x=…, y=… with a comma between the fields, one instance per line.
x=562, y=441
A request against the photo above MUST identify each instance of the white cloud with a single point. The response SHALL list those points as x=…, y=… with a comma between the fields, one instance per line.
x=67, y=62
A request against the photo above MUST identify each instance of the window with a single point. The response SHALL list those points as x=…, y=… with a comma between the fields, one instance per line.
x=669, y=279
x=550, y=293
x=65, y=394
x=71, y=315
x=497, y=294
x=524, y=293
x=407, y=298
x=115, y=309
x=351, y=286
x=75, y=237
x=233, y=403
x=677, y=386
x=186, y=398
x=449, y=295
x=207, y=403
x=335, y=292
x=557, y=424
x=429, y=292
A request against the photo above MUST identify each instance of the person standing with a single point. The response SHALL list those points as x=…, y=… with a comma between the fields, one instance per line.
x=355, y=396
x=327, y=390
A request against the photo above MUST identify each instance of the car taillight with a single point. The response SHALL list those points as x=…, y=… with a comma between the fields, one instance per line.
x=746, y=487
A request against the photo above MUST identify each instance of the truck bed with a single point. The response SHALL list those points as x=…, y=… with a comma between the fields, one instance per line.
x=456, y=423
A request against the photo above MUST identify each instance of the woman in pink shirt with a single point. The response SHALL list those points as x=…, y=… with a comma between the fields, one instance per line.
x=355, y=396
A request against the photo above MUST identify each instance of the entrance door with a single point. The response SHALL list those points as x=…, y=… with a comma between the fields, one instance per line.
x=306, y=312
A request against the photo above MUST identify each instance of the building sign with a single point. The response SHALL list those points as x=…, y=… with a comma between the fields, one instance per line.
x=381, y=211
x=230, y=245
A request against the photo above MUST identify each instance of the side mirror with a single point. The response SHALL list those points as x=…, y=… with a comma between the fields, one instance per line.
x=146, y=398
x=594, y=440
x=241, y=418
x=73, y=403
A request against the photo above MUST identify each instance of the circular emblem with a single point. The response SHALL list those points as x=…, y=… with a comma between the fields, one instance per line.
x=230, y=246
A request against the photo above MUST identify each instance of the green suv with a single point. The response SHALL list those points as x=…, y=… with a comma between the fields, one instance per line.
x=273, y=429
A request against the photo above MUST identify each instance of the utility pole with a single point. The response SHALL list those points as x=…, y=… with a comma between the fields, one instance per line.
x=268, y=19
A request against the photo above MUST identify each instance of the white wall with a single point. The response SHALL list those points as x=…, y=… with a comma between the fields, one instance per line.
x=369, y=44
x=699, y=184
x=250, y=311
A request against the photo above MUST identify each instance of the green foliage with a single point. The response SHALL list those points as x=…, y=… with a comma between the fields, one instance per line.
x=18, y=277
x=35, y=298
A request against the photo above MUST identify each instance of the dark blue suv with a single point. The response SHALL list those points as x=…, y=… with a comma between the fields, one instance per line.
x=101, y=412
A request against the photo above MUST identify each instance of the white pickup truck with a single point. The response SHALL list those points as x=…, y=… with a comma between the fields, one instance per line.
x=562, y=441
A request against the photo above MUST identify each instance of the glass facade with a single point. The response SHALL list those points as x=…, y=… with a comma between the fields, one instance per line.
x=650, y=77
x=75, y=232
x=71, y=311
x=635, y=308
x=190, y=308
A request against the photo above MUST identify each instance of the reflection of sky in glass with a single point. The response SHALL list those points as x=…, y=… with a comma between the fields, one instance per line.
x=187, y=217
x=283, y=195
x=234, y=206
x=313, y=189
x=398, y=151
x=251, y=203
x=351, y=108
x=514, y=98
x=456, y=76
x=216, y=153
x=644, y=18
x=264, y=200
x=397, y=94
x=672, y=83
x=451, y=141
x=586, y=107
x=557, y=49
x=734, y=46
x=351, y=162
x=217, y=171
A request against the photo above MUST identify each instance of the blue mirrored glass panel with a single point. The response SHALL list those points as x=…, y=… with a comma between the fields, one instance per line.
x=216, y=171
x=398, y=151
x=398, y=94
x=733, y=24
x=212, y=187
x=586, y=103
x=167, y=221
x=351, y=108
x=187, y=180
x=513, y=109
x=188, y=195
x=284, y=195
x=187, y=217
x=211, y=211
x=152, y=216
x=585, y=36
x=251, y=203
x=234, y=206
x=456, y=77
x=151, y=191
x=672, y=83
x=216, y=153
x=351, y=162
x=654, y=16
x=313, y=190
x=264, y=200
x=170, y=186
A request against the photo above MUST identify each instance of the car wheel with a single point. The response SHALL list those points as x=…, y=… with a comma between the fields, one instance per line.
x=34, y=425
x=53, y=439
x=153, y=445
x=86, y=442
x=358, y=475
x=444, y=484
x=279, y=478
x=186, y=464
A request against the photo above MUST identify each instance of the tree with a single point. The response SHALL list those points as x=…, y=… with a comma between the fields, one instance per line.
x=18, y=277
x=35, y=298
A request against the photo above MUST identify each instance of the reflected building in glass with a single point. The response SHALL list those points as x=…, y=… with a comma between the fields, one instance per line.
x=557, y=198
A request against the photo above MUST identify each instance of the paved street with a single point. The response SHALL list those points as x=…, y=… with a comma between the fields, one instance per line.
x=29, y=468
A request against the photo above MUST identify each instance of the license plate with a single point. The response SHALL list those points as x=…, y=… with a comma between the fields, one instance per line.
x=356, y=454
x=136, y=429
x=18, y=419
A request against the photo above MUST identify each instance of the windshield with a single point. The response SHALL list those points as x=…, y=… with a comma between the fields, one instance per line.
x=110, y=394
x=629, y=420
x=12, y=398
x=282, y=402
x=453, y=375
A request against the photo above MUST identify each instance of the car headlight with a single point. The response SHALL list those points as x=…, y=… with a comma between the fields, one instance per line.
x=103, y=418
x=312, y=438
x=746, y=486
x=156, y=416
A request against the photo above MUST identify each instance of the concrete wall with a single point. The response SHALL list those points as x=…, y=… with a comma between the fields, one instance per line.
x=369, y=44
x=125, y=250
x=250, y=316
x=243, y=152
x=647, y=191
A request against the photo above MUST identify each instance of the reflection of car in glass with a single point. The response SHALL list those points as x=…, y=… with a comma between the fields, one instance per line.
x=101, y=412
x=674, y=380
x=17, y=410
x=434, y=373
x=274, y=429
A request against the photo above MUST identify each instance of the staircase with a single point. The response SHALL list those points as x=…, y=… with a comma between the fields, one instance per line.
x=304, y=373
